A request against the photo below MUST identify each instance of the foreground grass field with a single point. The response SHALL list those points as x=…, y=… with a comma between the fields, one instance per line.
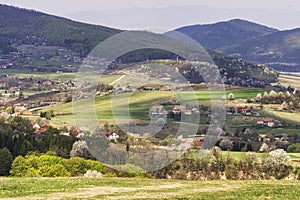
x=124, y=188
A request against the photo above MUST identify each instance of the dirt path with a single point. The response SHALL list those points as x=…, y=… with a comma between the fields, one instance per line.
x=159, y=192
x=114, y=82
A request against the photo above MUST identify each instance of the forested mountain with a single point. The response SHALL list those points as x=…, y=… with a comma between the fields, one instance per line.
x=249, y=41
x=280, y=50
x=21, y=26
x=221, y=34
x=37, y=41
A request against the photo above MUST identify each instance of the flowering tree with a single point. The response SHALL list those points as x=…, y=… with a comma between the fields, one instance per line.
x=277, y=164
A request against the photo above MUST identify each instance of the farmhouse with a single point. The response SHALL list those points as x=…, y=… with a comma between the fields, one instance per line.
x=178, y=110
x=112, y=135
x=47, y=82
x=41, y=130
x=243, y=110
x=3, y=66
x=264, y=138
x=36, y=126
x=266, y=122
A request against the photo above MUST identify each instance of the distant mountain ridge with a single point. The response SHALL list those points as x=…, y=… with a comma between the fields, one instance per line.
x=35, y=41
x=221, y=34
x=280, y=50
x=252, y=42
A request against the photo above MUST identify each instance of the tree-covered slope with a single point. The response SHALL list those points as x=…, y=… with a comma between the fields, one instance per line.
x=221, y=34
x=22, y=26
x=280, y=50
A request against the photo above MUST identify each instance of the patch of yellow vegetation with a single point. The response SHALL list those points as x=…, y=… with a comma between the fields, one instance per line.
x=294, y=117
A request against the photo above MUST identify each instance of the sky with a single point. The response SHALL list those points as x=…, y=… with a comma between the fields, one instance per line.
x=168, y=14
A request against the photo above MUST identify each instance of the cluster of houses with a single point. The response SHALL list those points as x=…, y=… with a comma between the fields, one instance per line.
x=39, y=129
x=240, y=110
x=21, y=110
x=111, y=135
x=5, y=65
x=157, y=111
x=42, y=130
x=268, y=122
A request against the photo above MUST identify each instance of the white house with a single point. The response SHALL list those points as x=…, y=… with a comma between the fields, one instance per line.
x=113, y=136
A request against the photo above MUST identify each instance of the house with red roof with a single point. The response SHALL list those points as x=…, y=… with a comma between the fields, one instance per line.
x=266, y=122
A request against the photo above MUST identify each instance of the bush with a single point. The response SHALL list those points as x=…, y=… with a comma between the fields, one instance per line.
x=294, y=148
x=258, y=97
x=57, y=170
x=231, y=96
x=216, y=160
x=93, y=174
x=96, y=165
x=6, y=160
x=19, y=167
x=53, y=166
x=277, y=164
x=130, y=170
x=226, y=144
x=279, y=157
x=80, y=149
x=76, y=166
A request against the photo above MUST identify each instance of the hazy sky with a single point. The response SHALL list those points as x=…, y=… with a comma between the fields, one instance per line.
x=168, y=14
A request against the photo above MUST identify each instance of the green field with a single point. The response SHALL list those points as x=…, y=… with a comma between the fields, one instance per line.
x=125, y=188
x=292, y=117
x=140, y=102
x=287, y=131
x=58, y=76
x=294, y=156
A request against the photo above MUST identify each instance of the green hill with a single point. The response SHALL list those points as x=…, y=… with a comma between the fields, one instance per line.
x=41, y=42
x=21, y=26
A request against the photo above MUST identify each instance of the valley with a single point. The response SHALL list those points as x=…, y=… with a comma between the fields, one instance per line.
x=78, y=120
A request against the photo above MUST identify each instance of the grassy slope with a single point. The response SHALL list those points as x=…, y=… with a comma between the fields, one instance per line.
x=117, y=188
x=141, y=102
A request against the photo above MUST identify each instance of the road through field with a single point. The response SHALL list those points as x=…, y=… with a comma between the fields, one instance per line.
x=114, y=82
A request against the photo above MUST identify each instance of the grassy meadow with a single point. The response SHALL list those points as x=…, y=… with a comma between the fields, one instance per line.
x=127, y=188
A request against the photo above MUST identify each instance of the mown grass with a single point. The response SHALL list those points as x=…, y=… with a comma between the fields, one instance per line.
x=119, y=188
